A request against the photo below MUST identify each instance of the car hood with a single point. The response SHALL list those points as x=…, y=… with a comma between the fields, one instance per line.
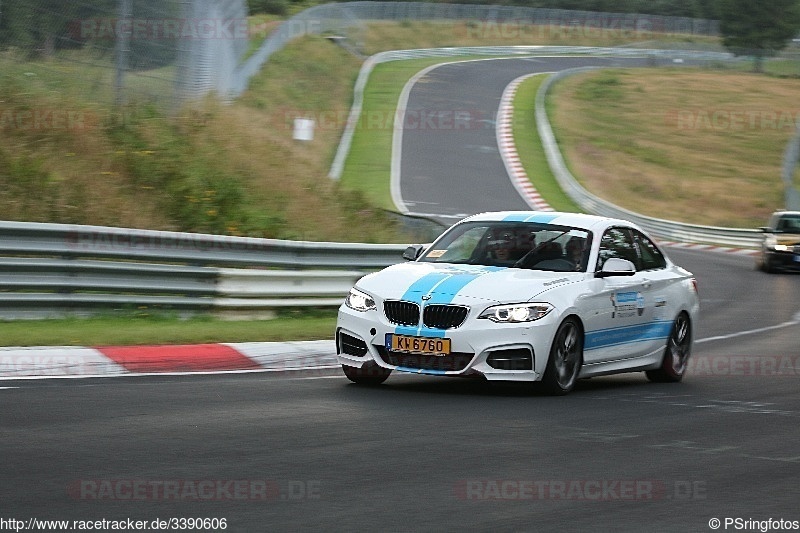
x=451, y=283
x=788, y=239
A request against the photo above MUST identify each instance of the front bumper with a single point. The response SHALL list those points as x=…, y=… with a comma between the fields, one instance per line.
x=479, y=347
x=789, y=260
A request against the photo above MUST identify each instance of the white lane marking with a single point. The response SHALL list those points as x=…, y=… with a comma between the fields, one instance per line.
x=794, y=322
x=6, y=388
x=397, y=139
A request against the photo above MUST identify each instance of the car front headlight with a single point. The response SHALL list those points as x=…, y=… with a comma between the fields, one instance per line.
x=515, y=313
x=359, y=301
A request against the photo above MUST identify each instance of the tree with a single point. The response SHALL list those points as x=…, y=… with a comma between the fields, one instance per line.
x=758, y=29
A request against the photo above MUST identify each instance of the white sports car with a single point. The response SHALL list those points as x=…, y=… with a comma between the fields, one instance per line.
x=523, y=296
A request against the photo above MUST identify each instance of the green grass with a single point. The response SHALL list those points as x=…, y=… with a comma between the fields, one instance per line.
x=206, y=168
x=165, y=329
x=529, y=147
x=697, y=146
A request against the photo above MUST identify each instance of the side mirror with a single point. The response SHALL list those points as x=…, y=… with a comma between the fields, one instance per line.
x=616, y=267
x=765, y=229
x=413, y=252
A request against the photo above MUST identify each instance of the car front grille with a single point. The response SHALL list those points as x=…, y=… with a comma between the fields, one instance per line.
x=456, y=361
x=438, y=316
x=444, y=316
x=401, y=312
x=511, y=359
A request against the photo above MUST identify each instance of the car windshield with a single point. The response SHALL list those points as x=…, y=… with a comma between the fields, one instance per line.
x=788, y=224
x=527, y=245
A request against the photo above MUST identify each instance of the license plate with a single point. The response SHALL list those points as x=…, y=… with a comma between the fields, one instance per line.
x=797, y=258
x=417, y=345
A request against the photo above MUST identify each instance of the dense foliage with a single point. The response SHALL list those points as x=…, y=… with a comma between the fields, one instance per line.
x=45, y=25
x=758, y=29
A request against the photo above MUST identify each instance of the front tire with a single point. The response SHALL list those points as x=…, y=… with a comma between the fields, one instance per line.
x=676, y=354
x=566, y=358
x=370, y=374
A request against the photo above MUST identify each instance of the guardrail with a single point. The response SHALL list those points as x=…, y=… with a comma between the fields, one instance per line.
x=49, y=270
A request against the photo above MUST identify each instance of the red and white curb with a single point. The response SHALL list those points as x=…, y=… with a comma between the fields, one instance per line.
x=79, y=361
x=508, y=150
x=710, y=248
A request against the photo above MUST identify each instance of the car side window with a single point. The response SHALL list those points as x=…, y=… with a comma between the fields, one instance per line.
x=616, y=242
x=650, y=256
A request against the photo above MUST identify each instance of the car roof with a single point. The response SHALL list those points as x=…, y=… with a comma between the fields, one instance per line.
x=578, y=220
x=780, y=213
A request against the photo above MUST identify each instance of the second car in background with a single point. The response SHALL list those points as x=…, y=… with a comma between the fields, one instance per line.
x=780, y=246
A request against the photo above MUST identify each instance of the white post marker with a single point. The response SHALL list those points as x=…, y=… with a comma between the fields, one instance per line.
x=304, y=129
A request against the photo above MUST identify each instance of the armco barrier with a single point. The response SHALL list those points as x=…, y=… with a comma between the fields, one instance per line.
x=49, y=270
x=75, y=241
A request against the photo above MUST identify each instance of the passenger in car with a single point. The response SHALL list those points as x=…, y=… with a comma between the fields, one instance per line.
x=574, y=251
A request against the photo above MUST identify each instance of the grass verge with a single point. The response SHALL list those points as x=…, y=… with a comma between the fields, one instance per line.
x=166, y=329
x=207, y=168
x=698, y=146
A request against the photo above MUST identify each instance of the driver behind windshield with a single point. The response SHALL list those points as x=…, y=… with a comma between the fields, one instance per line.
x=502, y=247
x=506, y=246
